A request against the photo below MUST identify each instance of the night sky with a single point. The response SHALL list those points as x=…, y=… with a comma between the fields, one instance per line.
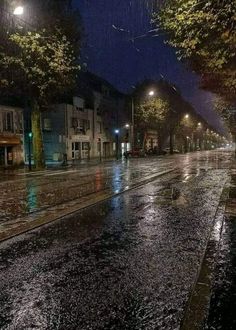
x=110, y=26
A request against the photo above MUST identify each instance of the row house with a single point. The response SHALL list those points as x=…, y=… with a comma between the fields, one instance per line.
x=85, y=128
x=11, y=136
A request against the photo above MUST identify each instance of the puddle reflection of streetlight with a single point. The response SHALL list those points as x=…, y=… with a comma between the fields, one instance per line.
x=98, y=180
x=116, y=179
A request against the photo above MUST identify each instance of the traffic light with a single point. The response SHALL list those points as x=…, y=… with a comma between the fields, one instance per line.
x=30, y=135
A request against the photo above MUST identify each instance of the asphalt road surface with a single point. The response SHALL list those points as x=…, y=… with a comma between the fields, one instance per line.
x=129, y=262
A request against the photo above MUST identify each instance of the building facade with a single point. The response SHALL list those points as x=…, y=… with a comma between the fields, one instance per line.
x=11, y=136
x=85, y=128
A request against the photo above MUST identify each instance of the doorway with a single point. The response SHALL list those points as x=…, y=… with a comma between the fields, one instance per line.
x=2, y=156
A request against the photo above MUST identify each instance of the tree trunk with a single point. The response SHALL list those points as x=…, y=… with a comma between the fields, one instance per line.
x=185, y=145
x=159, y=142
x=171, y=143
x=144, y=140
x=37, y=136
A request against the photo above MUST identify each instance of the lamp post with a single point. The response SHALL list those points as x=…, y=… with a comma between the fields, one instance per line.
x=127, y=126
x=117, y=143
x=100, y=149
x=30, y=135
x=132, y=123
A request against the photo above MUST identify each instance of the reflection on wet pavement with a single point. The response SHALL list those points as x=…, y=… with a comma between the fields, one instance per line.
x=223, y=302
x=28, y=193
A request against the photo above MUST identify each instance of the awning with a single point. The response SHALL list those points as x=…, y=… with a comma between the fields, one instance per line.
x=9, y=140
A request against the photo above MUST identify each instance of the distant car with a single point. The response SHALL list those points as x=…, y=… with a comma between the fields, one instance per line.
x=136, y=153
x=175, y=151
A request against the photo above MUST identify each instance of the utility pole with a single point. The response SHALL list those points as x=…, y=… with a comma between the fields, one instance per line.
x=132, y=123
x=29, y=149
x=117, y=143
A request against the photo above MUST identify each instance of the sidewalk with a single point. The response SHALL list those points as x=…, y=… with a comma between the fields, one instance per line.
x=223, y=295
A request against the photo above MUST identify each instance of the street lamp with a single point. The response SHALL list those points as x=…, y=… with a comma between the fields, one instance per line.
x=117, y=131
x=127, y=126
x=132, y=123
x=30, y=135
x=186, y=116
x=151, y=93
x=18, y=11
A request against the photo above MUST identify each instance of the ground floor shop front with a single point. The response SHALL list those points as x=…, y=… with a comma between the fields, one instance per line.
x=11, y=151
x=79, y=150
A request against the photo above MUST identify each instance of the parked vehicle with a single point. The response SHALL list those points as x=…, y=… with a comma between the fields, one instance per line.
x=175, y=151
x=136, y=153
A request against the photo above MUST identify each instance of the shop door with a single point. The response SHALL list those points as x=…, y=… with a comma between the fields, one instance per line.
x=9, y=155
x=75, y=150
x=2, y=156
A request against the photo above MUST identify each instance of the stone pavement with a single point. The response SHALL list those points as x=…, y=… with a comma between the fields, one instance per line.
x=212, y=303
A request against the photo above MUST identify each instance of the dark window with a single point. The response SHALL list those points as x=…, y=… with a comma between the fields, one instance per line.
x=88, y=124
x=8, y=121
x=85, y=145
x=74, y=122
x=80, y=109
x=99, y=125
x=99, y=112
x=47, y=124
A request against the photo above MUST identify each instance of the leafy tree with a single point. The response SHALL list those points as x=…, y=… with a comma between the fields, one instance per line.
x=187, y=130
x=43, y=66
x=167, y=107
x=227, y=111
x=204, y=34
x=153, y=114
x=39, y=65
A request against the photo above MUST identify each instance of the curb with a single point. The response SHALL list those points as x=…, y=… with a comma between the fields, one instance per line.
x=24, y=224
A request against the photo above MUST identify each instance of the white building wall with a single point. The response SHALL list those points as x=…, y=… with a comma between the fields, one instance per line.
x=11, y=136
x=86, y=137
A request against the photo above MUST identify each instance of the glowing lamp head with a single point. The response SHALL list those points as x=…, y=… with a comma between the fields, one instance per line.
x=18, y=11
x=187, y=116
x=117, y=131
x=151, y=93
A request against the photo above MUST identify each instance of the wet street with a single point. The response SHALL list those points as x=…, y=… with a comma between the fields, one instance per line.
x=128, y=262
x=223, y=300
